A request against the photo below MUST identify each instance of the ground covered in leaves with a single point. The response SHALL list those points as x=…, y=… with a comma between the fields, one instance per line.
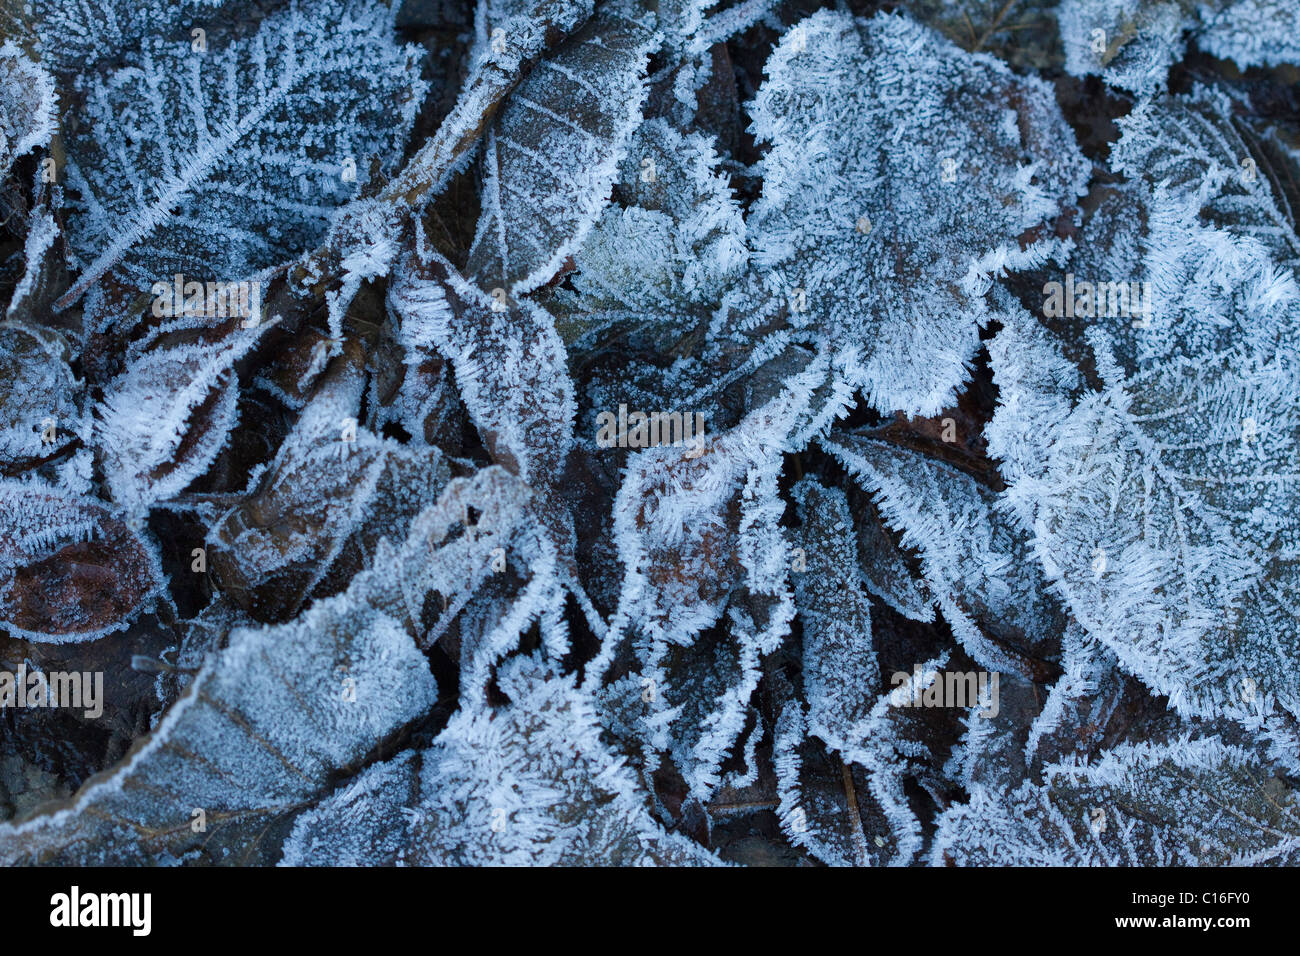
x=621, y=432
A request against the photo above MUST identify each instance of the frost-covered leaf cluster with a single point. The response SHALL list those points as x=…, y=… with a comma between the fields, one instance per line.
x=608, y=432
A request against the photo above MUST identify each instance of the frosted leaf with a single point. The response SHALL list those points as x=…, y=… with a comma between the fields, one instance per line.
x=504, y=27
x=705, y=590
x=511, y=367
x=1161, y=494
x=840, y=673
x=814, y=804
x=1133, y=43
x=366, y=229
x=700, y=705
x=703, y=686
x=216, y=165
x=39, y=396
x=714, y=696
x=1189, y=802
x=1252, y=32
x=27, y=104
x=1081, y=704
x=976, y=563
x=1220, y=249
x=76, y=34
x=676, y=515
x=902, y=174
x=1023, y=32
x=885, y=570
x=167, y=416
x=691, y=26
x=992, y=752
x=492, y=626
x=529, y=783
x=436, y=558
x=497, y=64
x=1166, y=532
x=553, y=153
x=675, y=241
x=415, y=388
x=365, y=235
x=864, y=817
x=452, y=547
x=275, y=716
x=511, y=370
x=70, y=570
x=333, y=490
x=694, y=76
x=363, y=823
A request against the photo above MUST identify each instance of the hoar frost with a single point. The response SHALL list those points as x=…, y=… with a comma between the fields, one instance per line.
x=369, y=585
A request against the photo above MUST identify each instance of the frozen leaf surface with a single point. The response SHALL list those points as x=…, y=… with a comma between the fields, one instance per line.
x=223, y=163
x=27, y=103
x=1188, y=802
x=1133, y=43
x=334, y=489
x=1161, y=497
x=530, y=783
x=552, y=155
x=840, y=673
x=902, y=173
x=163, y=421
x=260, y=733
x=675, y=242
x=976, y=562
x=70, y=569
